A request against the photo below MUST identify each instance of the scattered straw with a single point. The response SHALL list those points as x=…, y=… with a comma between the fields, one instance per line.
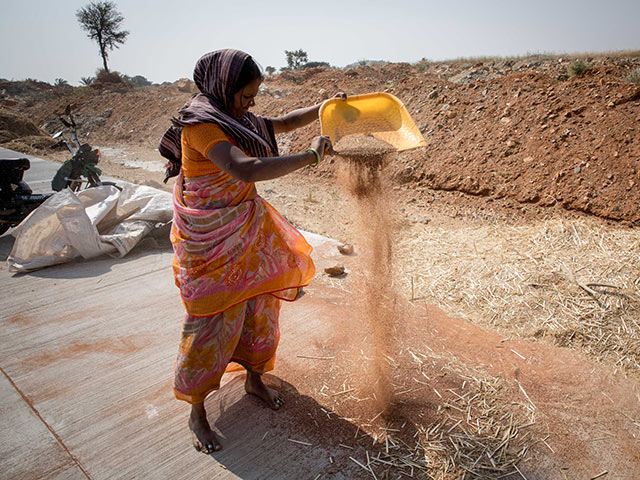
x=571, y=282
x=523, y=358
x=359, y=464
x=300, y=442
x=478, y=430
x=315, y=358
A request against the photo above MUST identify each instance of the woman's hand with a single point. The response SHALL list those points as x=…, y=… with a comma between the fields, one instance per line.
x=322, y=145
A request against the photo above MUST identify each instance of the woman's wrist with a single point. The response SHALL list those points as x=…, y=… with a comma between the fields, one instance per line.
x=316, y=156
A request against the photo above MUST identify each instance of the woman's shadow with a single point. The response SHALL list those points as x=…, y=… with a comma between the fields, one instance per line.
x=302, y=440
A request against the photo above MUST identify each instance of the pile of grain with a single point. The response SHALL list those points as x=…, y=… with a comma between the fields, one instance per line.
x=363, y=147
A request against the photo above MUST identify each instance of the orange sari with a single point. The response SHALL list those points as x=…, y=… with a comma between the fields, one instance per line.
x=235, y=257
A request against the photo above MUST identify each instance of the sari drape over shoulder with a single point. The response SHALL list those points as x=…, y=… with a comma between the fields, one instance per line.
x=230, y=246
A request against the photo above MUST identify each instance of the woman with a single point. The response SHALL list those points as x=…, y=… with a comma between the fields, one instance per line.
x=235, y=256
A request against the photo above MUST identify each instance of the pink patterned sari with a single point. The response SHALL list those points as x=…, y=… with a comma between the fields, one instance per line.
x=235, y=258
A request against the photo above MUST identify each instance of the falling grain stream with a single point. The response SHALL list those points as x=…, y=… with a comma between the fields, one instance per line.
x=361, y=174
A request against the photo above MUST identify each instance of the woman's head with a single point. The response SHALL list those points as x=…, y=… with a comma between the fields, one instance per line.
x=231, y=77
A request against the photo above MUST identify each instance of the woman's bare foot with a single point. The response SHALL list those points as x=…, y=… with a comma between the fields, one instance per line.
x=254, y=385
x=204, y=439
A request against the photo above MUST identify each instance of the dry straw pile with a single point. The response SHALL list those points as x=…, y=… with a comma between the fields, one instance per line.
x=471, y=425
x=483, y=433
x=573, y=282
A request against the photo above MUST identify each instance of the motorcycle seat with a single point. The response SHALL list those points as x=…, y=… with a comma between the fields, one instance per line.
x=10, y=164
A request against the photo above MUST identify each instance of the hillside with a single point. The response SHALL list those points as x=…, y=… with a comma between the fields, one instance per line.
x=520, y=130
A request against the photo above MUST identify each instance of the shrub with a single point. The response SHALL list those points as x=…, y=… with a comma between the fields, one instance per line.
x=137, y=81
x=421, y=65
x=314, y=65
x=61, y=82
x=578, y=67
x=86, y=81
x=103, y=76
x=634, y=76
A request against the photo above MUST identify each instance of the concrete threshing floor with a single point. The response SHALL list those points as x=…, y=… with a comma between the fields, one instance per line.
x=87, y=354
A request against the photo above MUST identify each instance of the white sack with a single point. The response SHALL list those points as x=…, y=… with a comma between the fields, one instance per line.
x=90, y=223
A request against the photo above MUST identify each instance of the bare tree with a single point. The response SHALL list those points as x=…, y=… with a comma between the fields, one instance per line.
x=102, y=22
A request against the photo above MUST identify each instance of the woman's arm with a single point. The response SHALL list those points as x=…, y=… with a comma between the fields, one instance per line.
x=299, y=117
x=233, y=161
x=295, y=119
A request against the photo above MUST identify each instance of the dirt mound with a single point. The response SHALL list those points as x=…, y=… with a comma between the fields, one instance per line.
x=31, y=144
x=523, y=130
x=14, y=125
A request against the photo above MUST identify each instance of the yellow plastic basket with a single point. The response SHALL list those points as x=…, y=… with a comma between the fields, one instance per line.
x=378, y=114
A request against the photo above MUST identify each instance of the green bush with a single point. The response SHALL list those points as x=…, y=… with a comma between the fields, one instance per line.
x=296, y=59
x=421, y=65
x=314, y=65
x=578, y=67
x=137, y=81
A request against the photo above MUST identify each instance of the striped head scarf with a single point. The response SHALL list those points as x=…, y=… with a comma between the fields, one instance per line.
x=216, y=75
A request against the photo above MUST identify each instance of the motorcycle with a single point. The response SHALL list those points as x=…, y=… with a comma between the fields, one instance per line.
x=81, y=167
x=17, y=200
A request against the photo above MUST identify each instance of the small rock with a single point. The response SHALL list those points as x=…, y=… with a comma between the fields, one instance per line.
x=432, y=95
x=484, y=92
x=334, y=271
x=345, y=249
x=577, y=170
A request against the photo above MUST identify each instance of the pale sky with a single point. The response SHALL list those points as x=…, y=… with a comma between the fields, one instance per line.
x=42, y=39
